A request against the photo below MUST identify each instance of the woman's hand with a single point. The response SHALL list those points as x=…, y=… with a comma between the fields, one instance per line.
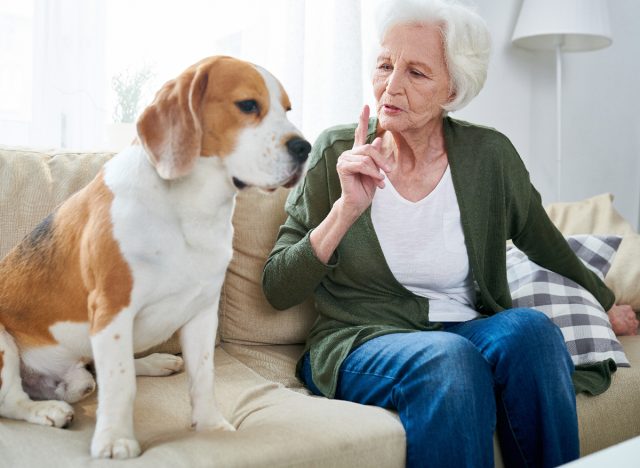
x=623, y=320
x=359, y=173
x=359, y=169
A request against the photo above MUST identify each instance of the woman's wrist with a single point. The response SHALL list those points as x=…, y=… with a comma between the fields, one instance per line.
x=345, y=213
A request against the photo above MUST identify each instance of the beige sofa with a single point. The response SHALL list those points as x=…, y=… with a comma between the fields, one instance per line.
x=278, y=423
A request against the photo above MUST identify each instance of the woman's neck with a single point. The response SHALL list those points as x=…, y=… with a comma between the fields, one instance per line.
x=418, y=148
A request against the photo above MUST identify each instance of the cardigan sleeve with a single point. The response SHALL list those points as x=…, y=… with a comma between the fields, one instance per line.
x=545, y=245
x=292, y=270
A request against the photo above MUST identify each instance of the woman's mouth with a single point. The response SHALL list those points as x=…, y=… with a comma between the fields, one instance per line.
x=391, y=110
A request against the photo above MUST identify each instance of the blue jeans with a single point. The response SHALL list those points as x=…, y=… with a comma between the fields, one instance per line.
x=452, y=389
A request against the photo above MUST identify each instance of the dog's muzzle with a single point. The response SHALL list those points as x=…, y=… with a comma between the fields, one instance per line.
x=299, y=149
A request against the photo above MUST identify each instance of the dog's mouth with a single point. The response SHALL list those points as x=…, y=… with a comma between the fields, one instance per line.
x=287, y=183
x=239, y=184
x=293, y=180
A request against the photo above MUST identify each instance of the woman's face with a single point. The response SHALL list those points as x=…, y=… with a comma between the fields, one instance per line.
x=411, y=80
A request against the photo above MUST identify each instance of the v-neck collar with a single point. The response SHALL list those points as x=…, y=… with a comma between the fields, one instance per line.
x=424, y=200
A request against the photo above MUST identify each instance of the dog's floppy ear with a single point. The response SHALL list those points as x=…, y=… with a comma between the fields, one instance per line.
x=170, y=128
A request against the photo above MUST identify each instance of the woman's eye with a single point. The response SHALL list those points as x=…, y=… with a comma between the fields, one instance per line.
x=385, y=66
x=248, y=106
x=417, y=73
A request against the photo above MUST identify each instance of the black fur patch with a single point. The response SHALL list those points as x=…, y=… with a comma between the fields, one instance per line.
x=41, y=234
x=37, y=244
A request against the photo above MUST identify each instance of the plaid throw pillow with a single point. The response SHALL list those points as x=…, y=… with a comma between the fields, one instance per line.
x=582, y=320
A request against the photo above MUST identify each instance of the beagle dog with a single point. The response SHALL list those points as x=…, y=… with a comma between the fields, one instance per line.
x=140, y=253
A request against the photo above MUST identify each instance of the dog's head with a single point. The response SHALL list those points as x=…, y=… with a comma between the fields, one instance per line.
x=227, y=108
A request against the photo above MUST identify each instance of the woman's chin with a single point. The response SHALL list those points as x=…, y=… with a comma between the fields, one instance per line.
x=391, y=123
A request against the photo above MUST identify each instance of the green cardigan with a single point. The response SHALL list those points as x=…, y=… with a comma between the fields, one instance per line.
x=358, y=298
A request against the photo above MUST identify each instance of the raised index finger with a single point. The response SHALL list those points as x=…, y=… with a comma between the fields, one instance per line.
x=362, y=128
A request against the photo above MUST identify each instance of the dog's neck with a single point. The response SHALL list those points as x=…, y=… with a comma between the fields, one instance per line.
x=205, y=195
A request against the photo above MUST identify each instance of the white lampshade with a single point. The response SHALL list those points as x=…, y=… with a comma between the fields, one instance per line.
x=575, y=25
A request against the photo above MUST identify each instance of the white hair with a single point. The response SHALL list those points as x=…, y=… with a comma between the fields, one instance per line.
x=466, y=40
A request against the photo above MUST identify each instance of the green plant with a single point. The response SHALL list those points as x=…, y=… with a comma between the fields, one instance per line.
x=128, y=86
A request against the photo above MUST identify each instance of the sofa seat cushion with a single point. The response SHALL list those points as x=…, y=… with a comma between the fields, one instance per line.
x=613, y=416
x=276, y=363
x=604, y=420
x=275, y=427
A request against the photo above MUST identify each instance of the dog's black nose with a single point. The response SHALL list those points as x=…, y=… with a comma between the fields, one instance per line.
x=299, y=149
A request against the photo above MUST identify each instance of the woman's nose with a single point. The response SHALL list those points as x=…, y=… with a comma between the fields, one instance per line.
x=395, y=82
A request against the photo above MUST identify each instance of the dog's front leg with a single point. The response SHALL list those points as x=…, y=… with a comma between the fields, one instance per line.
x=197, y=338
x=113, y=357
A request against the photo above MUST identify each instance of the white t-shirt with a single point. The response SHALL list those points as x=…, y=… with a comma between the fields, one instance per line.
x=423, y=245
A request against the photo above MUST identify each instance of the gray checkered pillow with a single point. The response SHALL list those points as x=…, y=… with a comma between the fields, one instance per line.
x=582, y=320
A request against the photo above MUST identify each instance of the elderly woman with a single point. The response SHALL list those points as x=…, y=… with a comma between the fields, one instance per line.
x=399, y=232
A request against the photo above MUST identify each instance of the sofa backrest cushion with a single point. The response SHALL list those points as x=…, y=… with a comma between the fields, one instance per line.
x=246, y=316
x=624, y=276
x=595, y=215
x=34, y=183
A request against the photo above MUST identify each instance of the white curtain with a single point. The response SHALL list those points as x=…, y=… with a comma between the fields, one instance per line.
x=333, y=92
x=313, y=46
x=68, y=73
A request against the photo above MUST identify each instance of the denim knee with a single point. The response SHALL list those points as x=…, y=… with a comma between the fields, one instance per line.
x=530, y=322
x=531, y=332
x=422, y=361
x=450, y=358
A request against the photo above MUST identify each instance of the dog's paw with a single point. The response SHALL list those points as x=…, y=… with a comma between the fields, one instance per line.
x=104, y=446
x=50, y=413
x=159, y=364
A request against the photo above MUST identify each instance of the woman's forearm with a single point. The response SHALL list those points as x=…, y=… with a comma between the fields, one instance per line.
x=326, y=237
x=298, y=262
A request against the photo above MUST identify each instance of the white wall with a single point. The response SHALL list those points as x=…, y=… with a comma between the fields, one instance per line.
x=601, y=122
x=601, y=119
x=505, y=101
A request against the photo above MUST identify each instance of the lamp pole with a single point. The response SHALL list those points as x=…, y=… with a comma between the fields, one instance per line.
x=562, y=26
x=558, y=120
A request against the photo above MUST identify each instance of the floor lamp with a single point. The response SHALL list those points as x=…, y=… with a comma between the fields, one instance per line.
x=562, y=26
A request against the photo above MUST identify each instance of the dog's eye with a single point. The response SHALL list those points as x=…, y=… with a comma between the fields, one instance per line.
x=248, y=106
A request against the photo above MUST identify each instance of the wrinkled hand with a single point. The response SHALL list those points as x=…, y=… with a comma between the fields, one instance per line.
x=623, y=320
x=359, y=168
